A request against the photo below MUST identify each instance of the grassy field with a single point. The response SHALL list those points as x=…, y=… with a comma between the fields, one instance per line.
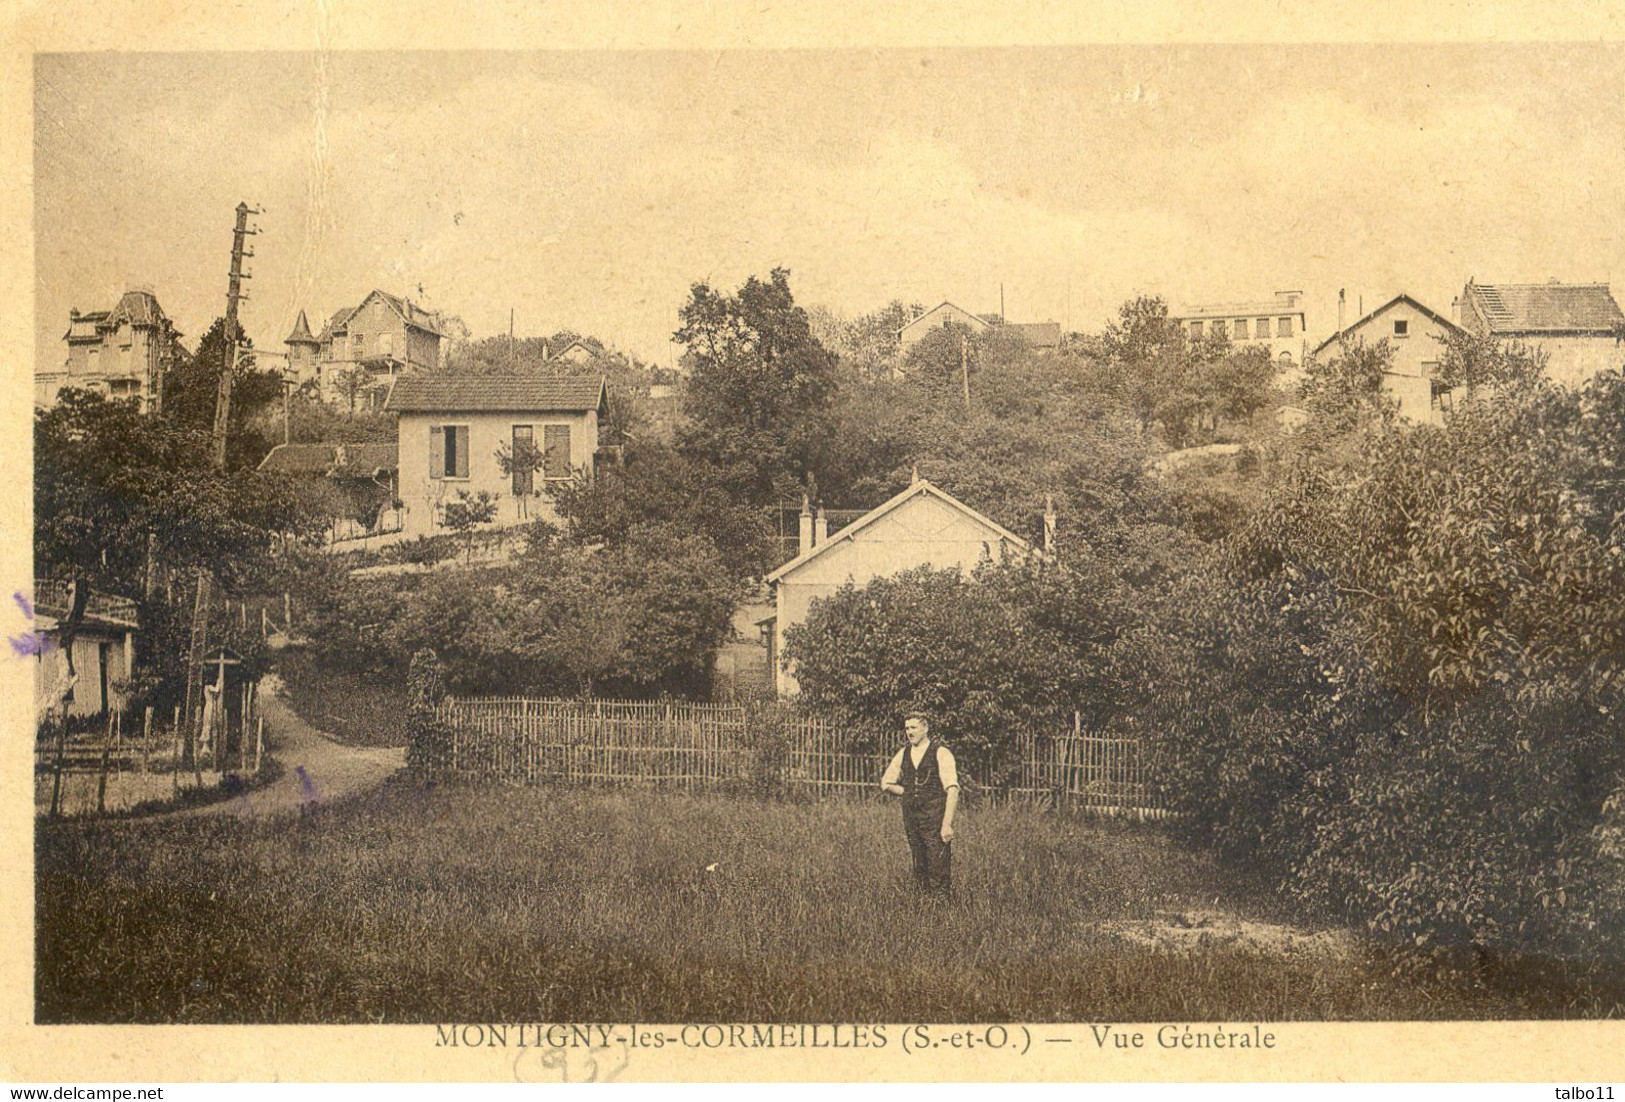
x=513, y=904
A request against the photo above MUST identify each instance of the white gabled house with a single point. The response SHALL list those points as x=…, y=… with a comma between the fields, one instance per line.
x=1416, y=336
x=451, y=429
x=922, y=526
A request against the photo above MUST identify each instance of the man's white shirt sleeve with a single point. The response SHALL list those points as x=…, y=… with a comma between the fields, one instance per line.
x=894, y=771
x=946, y=768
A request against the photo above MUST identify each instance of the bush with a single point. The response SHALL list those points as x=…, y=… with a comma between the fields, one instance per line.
x=937, y=640
x=428, y=740
x=1402, y=697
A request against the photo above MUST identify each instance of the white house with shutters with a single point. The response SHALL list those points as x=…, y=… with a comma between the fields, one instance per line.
x=453, y=428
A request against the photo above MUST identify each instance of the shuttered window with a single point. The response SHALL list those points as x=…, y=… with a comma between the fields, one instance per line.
x=556, y=451
x=524, y=439
x=448, y=451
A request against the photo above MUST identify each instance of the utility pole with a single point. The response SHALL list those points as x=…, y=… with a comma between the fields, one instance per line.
x=234, y=295
x=222, y=416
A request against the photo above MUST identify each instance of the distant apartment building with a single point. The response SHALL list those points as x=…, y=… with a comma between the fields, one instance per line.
x=1040, y=335
x=1416, y=338
x=1578, y=325
x=122, y=353
x=1276, y=323
x=363, y=349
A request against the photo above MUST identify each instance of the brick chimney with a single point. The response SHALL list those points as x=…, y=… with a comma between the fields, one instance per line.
x=806, y=542
x=820, y=529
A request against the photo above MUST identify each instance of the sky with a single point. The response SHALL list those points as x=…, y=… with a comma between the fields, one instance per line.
x=590, y=189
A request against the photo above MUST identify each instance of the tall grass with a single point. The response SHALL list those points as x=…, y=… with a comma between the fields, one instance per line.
x=537, y=904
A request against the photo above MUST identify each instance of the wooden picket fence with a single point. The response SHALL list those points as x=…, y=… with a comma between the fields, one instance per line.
x=733, y=747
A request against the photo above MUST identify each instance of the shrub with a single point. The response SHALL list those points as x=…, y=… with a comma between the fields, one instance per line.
x=937, y=640
x=428, y=740
x=1402, y=697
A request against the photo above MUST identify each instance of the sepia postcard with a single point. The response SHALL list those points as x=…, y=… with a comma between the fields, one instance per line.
x=686, y=543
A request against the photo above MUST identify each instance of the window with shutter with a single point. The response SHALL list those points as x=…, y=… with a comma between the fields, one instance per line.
x=457, y=451
x=556, y=451
x=437, y=451
x=524, y=441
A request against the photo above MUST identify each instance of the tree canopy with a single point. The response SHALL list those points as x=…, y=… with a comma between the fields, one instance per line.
x=759, y=387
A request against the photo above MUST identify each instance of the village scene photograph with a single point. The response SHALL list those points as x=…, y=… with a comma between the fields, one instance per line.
x=973, y=535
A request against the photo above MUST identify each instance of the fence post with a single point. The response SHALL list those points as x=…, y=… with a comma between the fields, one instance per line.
x=146, y=740
x=175, y=753
x=107, y=756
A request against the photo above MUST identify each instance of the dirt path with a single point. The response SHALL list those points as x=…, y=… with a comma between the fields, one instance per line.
x=315, y=768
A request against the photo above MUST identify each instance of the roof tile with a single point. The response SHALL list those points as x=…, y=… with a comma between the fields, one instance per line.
x=473, y=393
x=1547, y=307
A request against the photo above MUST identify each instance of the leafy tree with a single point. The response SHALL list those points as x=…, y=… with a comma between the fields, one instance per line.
x=130, y=504
x=1480, y=364
x=638, y=620
x=1032, y=433
x=1164, y=376
x=1403, y=697
x=467, y=513
x=868, y=345
x=522, y=458
x=1345, y=388
x=314, y=421
x=759, y=387
x=659, y=488
x=1242, y=383
x=192, y=387
x=350, y=382
x=937, y=639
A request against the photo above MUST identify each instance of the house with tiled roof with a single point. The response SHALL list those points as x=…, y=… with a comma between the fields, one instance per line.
x=364, y=348
x=452, y=429
x=1578, y=325
x=579, y=352
x=1040, y=335
x=363, y=479
x=922, y=526
x=1416, y=338
x=124, y=352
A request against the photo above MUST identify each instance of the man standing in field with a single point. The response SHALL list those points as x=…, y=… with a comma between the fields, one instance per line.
x=923, y=773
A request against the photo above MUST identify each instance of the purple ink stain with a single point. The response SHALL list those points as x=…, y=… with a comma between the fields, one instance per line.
x=24, y=604
x=30, y=644
x=307, y=788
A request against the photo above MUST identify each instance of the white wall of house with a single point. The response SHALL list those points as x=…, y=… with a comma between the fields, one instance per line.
x=423, y=495
x=1574, y=361
x=922, y=531
x=935, y=318
x=91, y=648
x=1417, y=342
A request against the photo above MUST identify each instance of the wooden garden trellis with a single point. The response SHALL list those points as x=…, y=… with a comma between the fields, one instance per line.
x=711, y=747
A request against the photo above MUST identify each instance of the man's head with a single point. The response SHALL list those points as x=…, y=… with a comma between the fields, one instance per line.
x=916, y=725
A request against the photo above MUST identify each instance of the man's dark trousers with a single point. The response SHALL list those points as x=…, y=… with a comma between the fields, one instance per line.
x=933, y=857
x=924, y=802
